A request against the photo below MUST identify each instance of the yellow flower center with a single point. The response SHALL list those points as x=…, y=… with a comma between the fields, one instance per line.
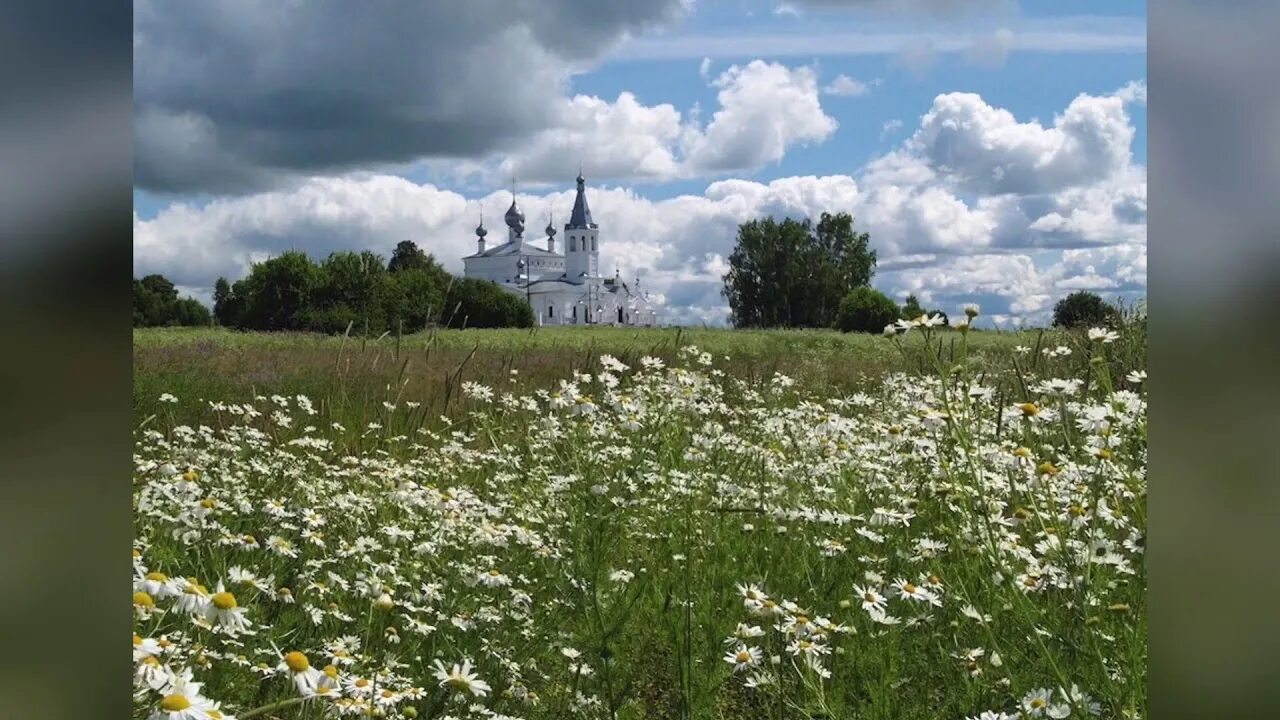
x=1029, y=409
x=1022, y=452
x=296, y=661
x=208, y=503
x=151, y=660
x=157, y=576
x=250, y=540
x=224, y=601
x=494, y=573
x=1104, y=454
x=1021, y=514
x=175, y=703
x=1047, y=468
x=164, y=642
x=215, y=714
x=869, y=597
x=802, y=620
x=388, y=694
x=909, y=588
x=935, y=580
x=143, y=599
x=331, y=671
x=136, y=553
x=322, y=690
x=362, y=683
x=1075, y=511
x=743, y=656
x=1037, y=703
x=195, y=589
x=137, y=639
x=284, y=591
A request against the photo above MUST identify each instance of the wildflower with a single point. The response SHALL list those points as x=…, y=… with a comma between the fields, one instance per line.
x=971, y=311
x=305, y=677
x=1136, y=376
x=493, y=578
x=1104, y=335
x=872, y=601
x=461, y=680
x=223, y=611
x=1038, y=703
x=622, y=576
x=743, y=658
x=182, y=700
x=158, y=585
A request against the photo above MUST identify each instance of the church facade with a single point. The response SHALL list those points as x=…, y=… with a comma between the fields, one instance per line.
x=563, y=288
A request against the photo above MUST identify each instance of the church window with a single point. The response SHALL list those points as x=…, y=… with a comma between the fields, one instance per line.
x=593, y=244
x=551, y=311
x=573, y=244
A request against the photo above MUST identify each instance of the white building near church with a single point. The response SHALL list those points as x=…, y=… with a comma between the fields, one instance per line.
x=563, y=289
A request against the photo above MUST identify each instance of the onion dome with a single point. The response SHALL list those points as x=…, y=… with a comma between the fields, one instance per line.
x=515, y=217
x=480, y=231
x=551, y=228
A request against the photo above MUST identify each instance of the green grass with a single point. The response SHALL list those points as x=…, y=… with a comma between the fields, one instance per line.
x=351, y=377
x=952, y=469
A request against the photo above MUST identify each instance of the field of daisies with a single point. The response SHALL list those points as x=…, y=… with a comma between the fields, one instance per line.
x=660, y=539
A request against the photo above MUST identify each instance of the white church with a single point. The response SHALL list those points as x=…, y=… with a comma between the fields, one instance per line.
x=563, y=289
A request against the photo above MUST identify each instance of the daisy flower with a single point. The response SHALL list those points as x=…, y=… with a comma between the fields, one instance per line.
x=743, y=658
x=461, y=680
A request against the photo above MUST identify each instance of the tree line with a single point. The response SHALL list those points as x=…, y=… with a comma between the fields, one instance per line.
x=800, y=274
x=358, y=291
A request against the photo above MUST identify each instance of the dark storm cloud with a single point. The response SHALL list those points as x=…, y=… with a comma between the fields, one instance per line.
x=230, y=96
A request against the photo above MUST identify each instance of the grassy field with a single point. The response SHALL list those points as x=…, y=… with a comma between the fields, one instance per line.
x=349, y=378
x=640, y=524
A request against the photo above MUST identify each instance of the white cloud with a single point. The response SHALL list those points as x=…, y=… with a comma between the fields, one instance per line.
x=890, y=127
x=1134, y=92
x=944, y=227
x=845, y=86
x=764, y=110
x=704, y=69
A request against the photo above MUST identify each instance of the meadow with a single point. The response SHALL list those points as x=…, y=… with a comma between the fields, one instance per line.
x=640, y=524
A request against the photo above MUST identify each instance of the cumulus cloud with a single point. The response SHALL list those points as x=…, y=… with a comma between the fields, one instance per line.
x=764, y=109
x=943, y=226
x=234, y=95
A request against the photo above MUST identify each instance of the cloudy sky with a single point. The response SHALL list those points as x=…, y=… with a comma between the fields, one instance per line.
x=994, y=149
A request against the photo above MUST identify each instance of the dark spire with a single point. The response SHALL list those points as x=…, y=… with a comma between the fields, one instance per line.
x=581, y=217
x=551, y=226
x=480, y=231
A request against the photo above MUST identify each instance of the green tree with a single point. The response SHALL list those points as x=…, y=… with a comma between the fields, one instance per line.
x=408, y=256
x=478, y=303
x=866, y=309
x=224, y=303
x=348, y=291
x=156, y=303
x=911, y=308
x=794, y=273
x=1084, y=309
x=277, y=293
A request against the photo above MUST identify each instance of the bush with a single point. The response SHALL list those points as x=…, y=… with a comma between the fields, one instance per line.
x=866, y=309
x=1084, y=309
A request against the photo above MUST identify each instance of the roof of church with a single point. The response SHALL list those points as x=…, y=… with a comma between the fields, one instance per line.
x=512, y=248
x=581, y=217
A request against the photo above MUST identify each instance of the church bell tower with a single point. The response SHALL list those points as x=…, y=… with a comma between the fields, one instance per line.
x=581, y=239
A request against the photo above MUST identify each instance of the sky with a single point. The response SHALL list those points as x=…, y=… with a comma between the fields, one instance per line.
x=995, y=150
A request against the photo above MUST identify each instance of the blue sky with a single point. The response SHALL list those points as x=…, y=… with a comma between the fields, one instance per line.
x=215, y=160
